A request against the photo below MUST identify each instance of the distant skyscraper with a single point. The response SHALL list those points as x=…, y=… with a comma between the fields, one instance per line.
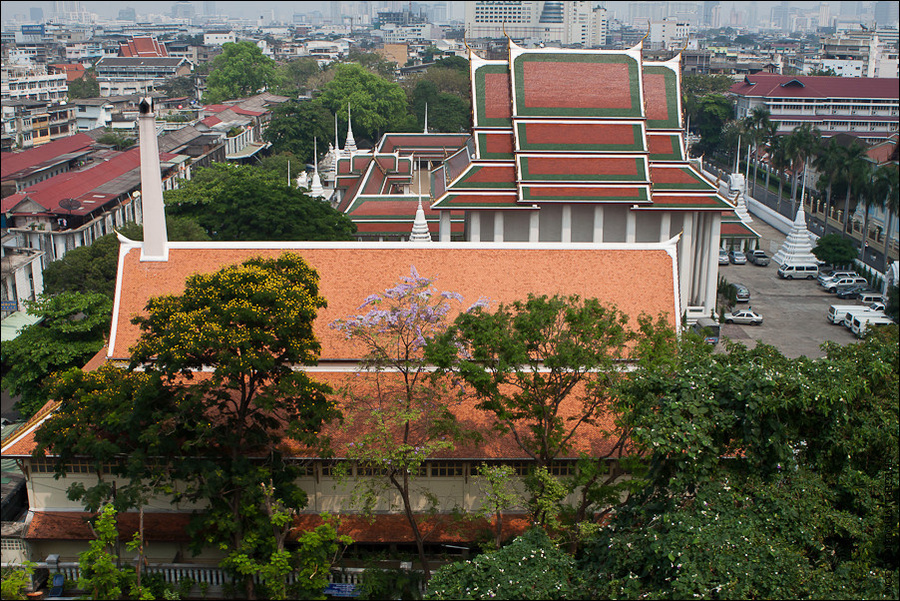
x=127, y=14
x=886, y=14
x=209, y=9
x=183, y=9
x=708, y=9
x=37, y=14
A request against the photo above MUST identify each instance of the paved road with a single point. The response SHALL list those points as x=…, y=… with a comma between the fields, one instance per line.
x=794, y=311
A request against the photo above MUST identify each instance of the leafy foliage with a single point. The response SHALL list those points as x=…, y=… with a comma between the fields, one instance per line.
x=242, y=202
x=218, y=436
x=178, y=87
x=804, y=505
x=177, y=229
x=295, y=77
x=531, y=567
x=15, y=580
x=835, y=249
x=405, y=418
x=117, y=140
x=99, y=573
x=295, y=124
x=446, y=112
x=72, y=331
x=241, y=70
x=84, y=87
x=377, y=105
x=86, y=269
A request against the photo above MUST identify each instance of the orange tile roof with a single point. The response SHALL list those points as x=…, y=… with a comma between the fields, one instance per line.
x=635, y=280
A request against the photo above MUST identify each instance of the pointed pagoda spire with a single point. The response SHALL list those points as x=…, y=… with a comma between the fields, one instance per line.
x=426, y=119
x=350, y=145
x=797, y=247
x=420, y=231
x=316, y=190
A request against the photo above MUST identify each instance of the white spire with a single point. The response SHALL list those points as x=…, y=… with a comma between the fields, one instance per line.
x=426, y=119
x=420, y=226
x=797, y=247
x=156, y=245
x=316, y=190
x=337, y=140
x=350, y=145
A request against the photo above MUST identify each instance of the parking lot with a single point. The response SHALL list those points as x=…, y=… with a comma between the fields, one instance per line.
x=794, y=311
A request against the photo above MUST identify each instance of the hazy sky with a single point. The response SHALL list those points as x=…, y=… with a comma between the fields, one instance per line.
x=284, y=10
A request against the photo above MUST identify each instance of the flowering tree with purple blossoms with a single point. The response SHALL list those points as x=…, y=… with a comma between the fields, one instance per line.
x=402, y=412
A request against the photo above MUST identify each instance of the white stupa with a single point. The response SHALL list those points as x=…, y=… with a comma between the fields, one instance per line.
x=303, y=180
x=350, y=144
x=797, y=248
x=420, y=231
x=316, y=190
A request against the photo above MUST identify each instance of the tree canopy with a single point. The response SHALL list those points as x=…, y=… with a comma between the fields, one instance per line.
x=218, y=436
x=84, y=87
x=73, y=329
x=243, y=202
x=376, y=104
x=241, y=70
x=835, y=249
x=294, y=126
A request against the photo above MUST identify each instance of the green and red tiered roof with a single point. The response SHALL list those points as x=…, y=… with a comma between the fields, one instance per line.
x=576, y=126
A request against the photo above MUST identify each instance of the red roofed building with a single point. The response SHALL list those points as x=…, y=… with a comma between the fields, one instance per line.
x=144, y=47
x=865, y=107
x=73, y=71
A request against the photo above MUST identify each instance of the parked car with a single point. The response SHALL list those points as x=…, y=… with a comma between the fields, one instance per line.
x=723, y=257
x=738, y=257
x=743, y=293
x=744, y=316
x=758, y=257
x=833, y=285
x=826, y=278
x=852, y=290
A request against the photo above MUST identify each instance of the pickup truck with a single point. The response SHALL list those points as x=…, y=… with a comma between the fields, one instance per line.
x=758, y=257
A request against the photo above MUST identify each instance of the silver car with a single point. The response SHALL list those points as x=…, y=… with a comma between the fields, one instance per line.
x=738, y=257
x=744, y=316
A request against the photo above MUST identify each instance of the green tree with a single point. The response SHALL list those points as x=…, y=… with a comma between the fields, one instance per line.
x=446, y=112
x=117, y=140
x=73, y=329
x=405, y=415
x=498, y=494
x=219, y=437
x=531, y=567
x=757, y=125
x=241, y=70
x=887, y=187
x=376, y=104
x=84, y=87
x=99, y=574
x=457, y=63
x=835, y=249
x=16, y=580
x=827, y=72
x=769, y=477
x=177, y=87
x=542, y=368
x=827, y=163
x=86, y=269
x=779, y=161
x=852, y=169
x=802, y=143
x=243, y=202
x=373, y=62
x=177, y=229
x=710, y=113
x=294, y=77
x=294, y=126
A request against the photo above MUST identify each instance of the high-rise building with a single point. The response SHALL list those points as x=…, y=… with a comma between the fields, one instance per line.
x=887, y=14
x=127, y=14
x=566, y=23
x=183, y=10
x=36, y=13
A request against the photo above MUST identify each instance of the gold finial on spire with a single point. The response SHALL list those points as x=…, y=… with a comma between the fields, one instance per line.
x=646, y=34
x=504, y=31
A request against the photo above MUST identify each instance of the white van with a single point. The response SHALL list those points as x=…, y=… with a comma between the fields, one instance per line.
x=859, y=312
x=837, y=313
x=867, y=298
x=863, y=323
x=798, y=271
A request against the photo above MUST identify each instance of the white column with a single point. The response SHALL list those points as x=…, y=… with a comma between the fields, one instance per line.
x=155, y=246
x=566, y=225
x=474, y=226
x=685, y=267
x=598, y=223
x=665, y=226
x=630, y=226
x=445, y=228
x=534, y=226
x=712, y=261
x=498, y=226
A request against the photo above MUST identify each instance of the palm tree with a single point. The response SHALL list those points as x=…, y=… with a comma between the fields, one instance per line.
x=886, y=183
x=801, y=143
x=770, y=133
x=827, y=163
x=851, y=169
x=870, y=196
x=757, y=125
x=779, y=160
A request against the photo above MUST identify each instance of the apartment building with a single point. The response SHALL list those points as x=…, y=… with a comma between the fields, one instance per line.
x=566, y=23
x=865, y=107
x=32, y=83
